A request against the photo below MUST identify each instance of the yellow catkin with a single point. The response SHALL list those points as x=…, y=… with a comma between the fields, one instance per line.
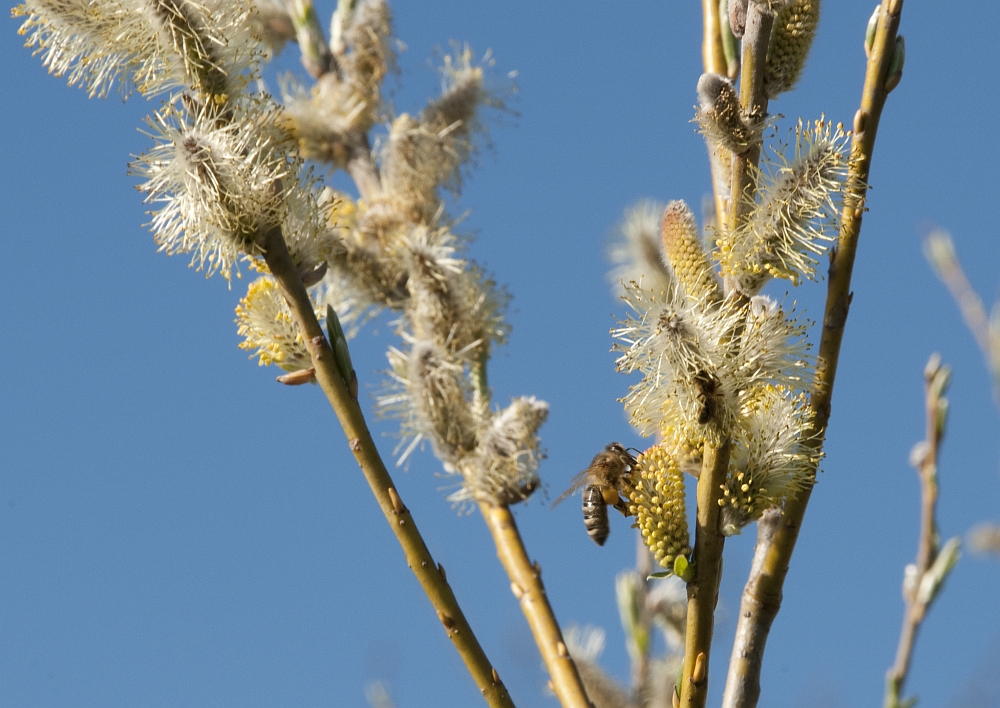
x=791, y=38
x=683, y=248
x=656, y=499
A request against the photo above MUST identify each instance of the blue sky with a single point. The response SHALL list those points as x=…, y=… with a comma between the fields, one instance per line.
x=176, y=529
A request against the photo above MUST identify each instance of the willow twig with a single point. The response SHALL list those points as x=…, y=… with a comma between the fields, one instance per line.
x=640, y=665
x=941, y=252
x=753, y=103
x=923, y=579
x=526, y=584
x=361, y=167
x=316, y=56
x=430, y=575
x=714, y=61
x=703, y=590
x=762, y=594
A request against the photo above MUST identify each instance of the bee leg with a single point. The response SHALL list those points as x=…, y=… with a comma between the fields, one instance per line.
x=622, y=506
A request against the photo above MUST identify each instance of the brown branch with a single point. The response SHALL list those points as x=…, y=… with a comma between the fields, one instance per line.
x=924, y=578
x=361, y=167
x=762, y=594
x=526, y=584
x=430, y=575
x=941, y=253
x=703, y=590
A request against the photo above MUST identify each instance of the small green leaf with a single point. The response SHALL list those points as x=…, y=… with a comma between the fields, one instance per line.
x=661, y=574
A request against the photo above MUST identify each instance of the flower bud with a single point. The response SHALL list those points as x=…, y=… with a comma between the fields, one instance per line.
x=720, y=118
x=791, y=39
x=683, y=248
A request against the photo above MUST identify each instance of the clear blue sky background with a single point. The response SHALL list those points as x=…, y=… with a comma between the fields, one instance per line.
x=176, y=529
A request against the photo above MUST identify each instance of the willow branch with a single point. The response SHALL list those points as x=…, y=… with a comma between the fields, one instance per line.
x=640, y=663
x=923, y=579
x=753, y=102
x=703, y=590
x=316, y=56
x=430, y=575
x=941, y=252
x=762, y=594
x=361, y=167
x=714, y=61
x=526, y=584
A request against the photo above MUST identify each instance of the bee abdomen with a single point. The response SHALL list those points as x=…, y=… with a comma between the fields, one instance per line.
x=595, y=514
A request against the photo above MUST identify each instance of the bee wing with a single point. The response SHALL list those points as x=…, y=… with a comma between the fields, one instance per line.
x=577, y=482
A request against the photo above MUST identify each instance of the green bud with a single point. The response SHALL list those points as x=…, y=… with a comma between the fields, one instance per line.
x=895, y=74
x=683, y=569
x=870, y=31
x=933, y=579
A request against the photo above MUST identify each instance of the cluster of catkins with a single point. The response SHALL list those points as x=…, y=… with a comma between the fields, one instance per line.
x=227, y=170
x=719, y=360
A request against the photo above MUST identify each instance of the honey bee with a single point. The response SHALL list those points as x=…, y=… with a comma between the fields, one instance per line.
x=602, y=484
x=708, y=390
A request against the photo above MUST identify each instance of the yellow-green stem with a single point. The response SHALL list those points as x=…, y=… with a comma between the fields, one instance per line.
x=703, y=591
x=526, y=584
x=753, y=102
x=714, y=61
x=359, y=440
x=762, y=595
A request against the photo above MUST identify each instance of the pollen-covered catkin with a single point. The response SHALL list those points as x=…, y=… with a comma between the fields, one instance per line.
x=683, y=248
x=656, y=499
x=791, y=38
x=266, y=324
x=796, y=211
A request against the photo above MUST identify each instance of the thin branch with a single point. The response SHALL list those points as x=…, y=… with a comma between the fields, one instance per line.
x=640, y=663
x=430, y=575
x=526, y=584
x=941, y=253
x=361, y=167
x=703, y=590
x=762, y=594
x=316, y=56
x=923, y=579
x=714, y=61
x=753, y=102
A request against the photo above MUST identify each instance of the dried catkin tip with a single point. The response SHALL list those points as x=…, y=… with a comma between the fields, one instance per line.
x=656, y=500
x=686, y=254
x=720, y=118
x=791, y=38
x=266, y=324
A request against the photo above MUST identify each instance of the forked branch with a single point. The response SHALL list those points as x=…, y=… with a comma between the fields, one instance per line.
x=762, y=594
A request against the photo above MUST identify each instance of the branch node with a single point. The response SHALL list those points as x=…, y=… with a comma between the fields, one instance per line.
x=397, y=503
